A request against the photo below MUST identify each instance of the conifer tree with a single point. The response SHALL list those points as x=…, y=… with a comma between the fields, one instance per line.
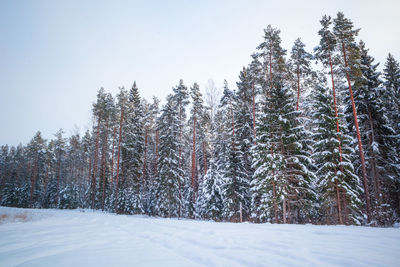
x=391, y=74
x=36, y=155
x=181, y=98
x=130, y=200
x=301, y=66
x=280, y=156
x=377, y=134
x=338, y=184
x=170, y=174
x=244, y=120
x=345, y=36
x=123, y=107
x=235, y=188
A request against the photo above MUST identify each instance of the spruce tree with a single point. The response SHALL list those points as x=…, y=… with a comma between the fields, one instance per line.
x=130, y=199
x=235, y=187
x=378, y=137
x=170, y=174
x=337, y=183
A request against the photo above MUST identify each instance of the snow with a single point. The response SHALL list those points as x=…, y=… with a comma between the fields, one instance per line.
x=91, y=238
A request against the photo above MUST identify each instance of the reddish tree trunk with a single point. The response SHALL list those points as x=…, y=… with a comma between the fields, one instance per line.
x=96, y=154
x=360, y=147
x=118, y=158
x=339, y=204
x=275, y=204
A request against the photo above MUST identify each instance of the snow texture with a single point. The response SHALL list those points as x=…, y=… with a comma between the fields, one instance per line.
x=87, y=238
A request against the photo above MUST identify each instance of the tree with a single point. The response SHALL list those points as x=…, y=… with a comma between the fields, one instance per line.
x=36, y=154
x=377, y=135
x=301, y=65
x=338, y=184
x=170, y=174
x=235, y=187
x=345, y=35
x=181, y=98
x=122, y=104
x=130, y=200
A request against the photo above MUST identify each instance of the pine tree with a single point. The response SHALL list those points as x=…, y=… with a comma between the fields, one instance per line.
x=301, y=66
x=123, y=107
x=345, y=35
x=197, y=152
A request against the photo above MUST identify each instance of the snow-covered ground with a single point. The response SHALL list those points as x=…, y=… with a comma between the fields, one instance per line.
x=86, y=238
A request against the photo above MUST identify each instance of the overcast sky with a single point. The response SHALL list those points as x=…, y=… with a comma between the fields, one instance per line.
x=55, y=55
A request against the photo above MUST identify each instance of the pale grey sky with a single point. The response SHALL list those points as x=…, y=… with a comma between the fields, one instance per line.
x=55, y=55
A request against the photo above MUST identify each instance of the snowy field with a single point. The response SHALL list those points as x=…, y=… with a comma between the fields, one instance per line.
x=86, y=238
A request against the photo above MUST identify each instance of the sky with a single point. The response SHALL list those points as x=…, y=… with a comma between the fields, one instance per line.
x=55, y=55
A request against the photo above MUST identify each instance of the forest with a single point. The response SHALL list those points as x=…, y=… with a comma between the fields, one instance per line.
x=307, y=136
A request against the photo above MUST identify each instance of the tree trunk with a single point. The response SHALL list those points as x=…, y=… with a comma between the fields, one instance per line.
x=118, y=158
x=241, y=212
x=284, y=210
x=96, y=154
x=338, y=202
x=360, y=147
x=275, y=202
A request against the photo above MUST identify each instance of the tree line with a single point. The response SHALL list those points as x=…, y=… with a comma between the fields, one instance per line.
x=307, y=137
